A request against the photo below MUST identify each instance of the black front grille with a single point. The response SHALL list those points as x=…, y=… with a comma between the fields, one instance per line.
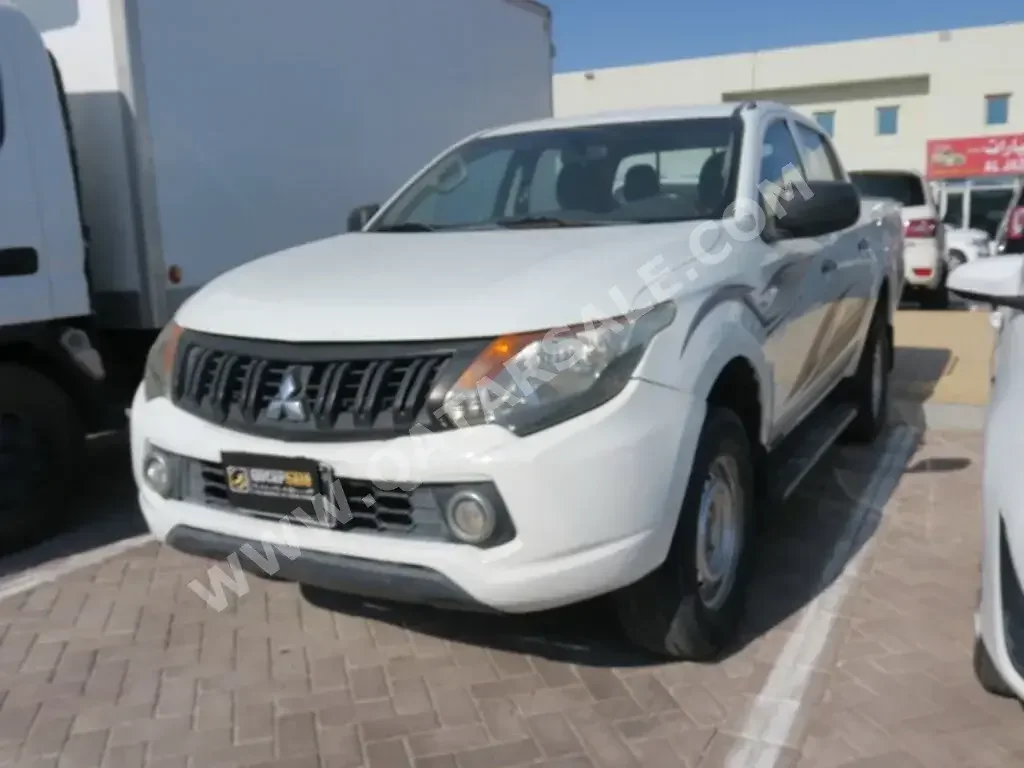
x=373, y=509
x=312, y=391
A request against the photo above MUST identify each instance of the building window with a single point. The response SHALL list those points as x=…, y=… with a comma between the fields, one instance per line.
x=997, y=109
x=887, y=121
x=827, y=121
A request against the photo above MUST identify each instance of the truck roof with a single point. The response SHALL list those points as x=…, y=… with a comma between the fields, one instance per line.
x=722, y=110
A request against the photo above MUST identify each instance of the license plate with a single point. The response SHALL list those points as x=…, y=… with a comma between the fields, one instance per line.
x=275, y=485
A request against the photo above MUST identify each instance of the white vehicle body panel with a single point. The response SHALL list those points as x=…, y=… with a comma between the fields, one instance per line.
x=42, y=257
x=1000, y=613
x=595, y=497
x=209, y=137
x=974, y=244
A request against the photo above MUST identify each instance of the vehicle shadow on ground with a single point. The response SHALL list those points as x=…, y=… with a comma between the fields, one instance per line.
x=917, y=371
x=803, y=548
x=104, y=512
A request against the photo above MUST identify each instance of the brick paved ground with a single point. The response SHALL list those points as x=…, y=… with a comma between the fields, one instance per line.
x=121, y=665
x=902, y=692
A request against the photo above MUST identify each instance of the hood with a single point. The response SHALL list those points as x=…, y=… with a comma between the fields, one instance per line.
x=440, y=285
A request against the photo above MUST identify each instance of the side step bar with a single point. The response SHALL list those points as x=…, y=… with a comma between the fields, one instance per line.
x=790, y=462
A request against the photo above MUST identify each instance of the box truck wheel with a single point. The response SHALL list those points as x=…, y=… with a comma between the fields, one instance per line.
x=42, y=444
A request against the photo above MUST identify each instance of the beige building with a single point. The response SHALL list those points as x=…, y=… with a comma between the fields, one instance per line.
x=949, y=103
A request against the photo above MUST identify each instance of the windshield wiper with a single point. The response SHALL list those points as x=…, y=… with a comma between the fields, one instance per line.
x=407, y=226
x=546, y=221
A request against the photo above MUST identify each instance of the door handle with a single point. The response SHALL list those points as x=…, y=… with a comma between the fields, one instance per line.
x=18, y=262
x=828, y=267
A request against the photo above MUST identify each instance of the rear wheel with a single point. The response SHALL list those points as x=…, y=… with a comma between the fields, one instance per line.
x=869, y=387
x=987, y=674
x=690, y=606
x=41, y=450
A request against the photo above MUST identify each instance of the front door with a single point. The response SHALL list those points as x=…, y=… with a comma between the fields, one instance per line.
x=792, y=292
x=847, y=261
x=24, y=285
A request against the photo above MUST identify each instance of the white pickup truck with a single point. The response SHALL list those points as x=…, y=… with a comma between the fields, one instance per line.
x=569, y=358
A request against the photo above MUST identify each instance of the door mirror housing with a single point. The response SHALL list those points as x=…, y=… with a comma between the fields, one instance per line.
x=361, y=215
x=995, y=280
x=816, y=208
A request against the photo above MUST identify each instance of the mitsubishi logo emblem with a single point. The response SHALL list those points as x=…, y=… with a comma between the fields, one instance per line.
x=288, y=403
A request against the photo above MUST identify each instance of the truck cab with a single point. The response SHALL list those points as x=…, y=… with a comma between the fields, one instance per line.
x=51, y=377
x=42, y=251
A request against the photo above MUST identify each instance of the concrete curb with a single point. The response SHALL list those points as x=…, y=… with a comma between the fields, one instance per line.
x=954, y=416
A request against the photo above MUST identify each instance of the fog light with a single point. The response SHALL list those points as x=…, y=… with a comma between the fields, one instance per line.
x=471, y=517
x=156, y=470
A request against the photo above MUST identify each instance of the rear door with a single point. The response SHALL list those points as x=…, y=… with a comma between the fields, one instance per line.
x=24, y=284
x=924, y=241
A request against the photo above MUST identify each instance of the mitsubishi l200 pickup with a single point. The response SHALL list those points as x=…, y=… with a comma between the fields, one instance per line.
x=569, y=358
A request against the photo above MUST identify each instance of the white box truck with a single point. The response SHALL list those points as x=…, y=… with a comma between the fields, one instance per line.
x=148, y=146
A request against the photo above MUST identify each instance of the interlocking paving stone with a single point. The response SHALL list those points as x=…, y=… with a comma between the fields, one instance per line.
x=120, y=664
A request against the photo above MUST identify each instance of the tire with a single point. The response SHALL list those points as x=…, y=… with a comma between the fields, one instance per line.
x=665, y=612
x=42, y=444
x=987, y=674
x=872, y=405
x=956, y=260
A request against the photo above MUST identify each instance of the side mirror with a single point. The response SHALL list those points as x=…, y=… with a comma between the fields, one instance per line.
x=990, y=281
x=361, y=215
x=816, y=208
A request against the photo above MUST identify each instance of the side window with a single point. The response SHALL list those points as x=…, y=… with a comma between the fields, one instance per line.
x=820, y=162
x=780, y=162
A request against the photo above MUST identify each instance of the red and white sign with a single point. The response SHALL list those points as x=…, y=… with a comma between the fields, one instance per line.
x=976, y=156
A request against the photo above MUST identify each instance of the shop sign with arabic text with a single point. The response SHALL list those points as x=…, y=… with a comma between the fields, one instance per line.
x=976, y=156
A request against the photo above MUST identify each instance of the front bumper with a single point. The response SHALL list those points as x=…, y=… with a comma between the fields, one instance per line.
x=593, y=502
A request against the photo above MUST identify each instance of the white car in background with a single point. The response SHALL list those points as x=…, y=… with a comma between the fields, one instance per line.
x=966, y=245
x=925, y=238
x=999, y=620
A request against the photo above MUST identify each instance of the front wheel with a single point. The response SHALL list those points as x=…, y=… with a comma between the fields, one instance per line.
x=956, y=260
x=691, y=605
x=41, y=447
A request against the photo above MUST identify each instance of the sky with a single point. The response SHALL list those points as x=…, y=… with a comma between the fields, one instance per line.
x=603, y=33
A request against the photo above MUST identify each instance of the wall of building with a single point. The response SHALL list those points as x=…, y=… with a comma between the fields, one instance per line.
x=938, y=81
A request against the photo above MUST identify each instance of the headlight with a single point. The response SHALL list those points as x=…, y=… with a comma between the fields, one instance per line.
x=526, y=382
x=160, y=363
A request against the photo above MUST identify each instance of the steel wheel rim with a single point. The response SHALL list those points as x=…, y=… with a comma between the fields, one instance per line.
x=719, y=532
x=877, y=378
